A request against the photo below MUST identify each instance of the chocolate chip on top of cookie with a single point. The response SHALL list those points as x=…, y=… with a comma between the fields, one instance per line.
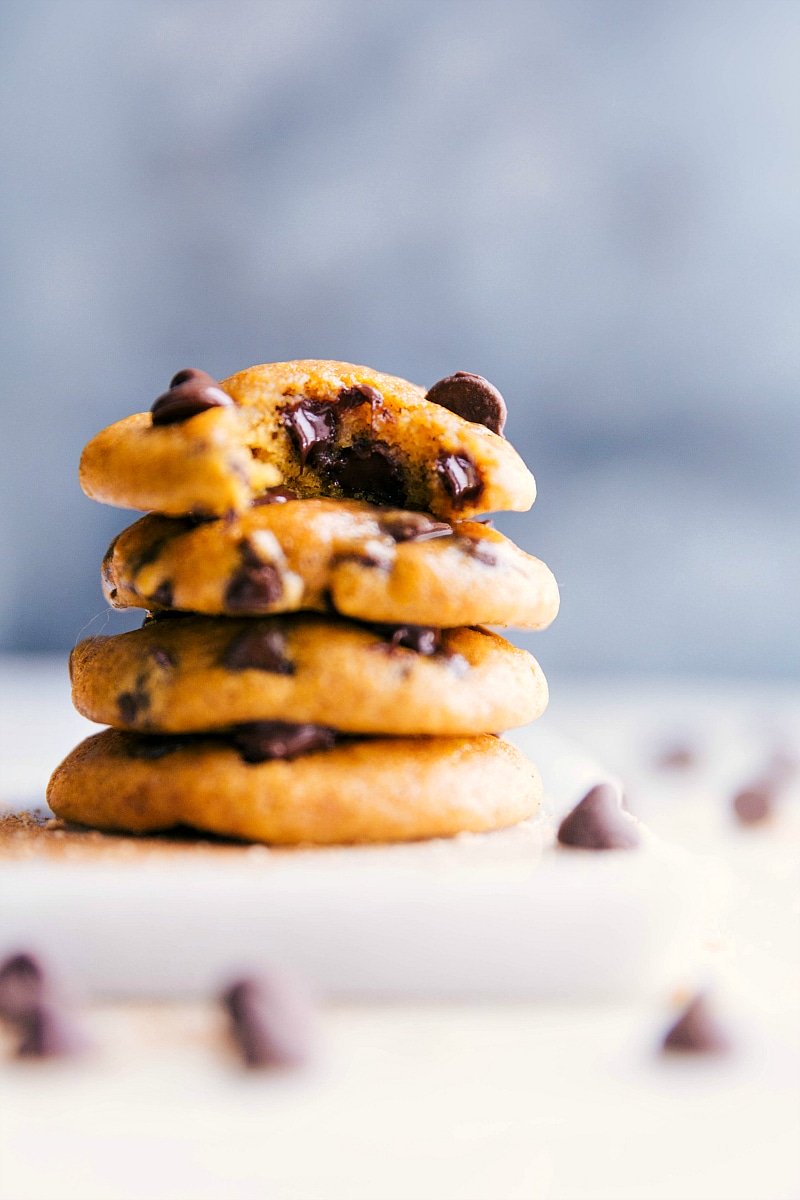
x=471, y=397
x=190, y=392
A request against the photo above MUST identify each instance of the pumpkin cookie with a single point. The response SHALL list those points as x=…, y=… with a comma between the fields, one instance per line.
x=203, y=673
x=373, y=564
x=295, y=786
x=322, y=428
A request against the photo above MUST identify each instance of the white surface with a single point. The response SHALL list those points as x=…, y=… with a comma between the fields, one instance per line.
x=566, y=1101
x=500, y=915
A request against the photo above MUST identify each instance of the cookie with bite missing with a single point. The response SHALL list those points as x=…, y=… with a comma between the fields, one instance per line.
x=322, y=428
x=346, y=556
x=294, y=786
x=188, y=674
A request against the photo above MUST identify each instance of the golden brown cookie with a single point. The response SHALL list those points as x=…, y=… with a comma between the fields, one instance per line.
x=374, y=564
x=366, y=790
x=322, y=428
x=188, y=674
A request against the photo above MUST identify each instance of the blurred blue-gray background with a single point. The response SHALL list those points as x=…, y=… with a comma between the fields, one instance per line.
x=594, y=204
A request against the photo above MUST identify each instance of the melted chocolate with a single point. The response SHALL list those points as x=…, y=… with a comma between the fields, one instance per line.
x=366, y=470
x=413, y=527
x=262, y=740
x=311, y=424
x=460, y=477
x=258, y=650
x=255, y=585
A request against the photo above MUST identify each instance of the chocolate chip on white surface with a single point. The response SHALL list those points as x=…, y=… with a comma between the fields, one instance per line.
x=599, y=822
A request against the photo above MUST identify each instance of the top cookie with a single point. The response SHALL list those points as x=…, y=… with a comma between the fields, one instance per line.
x=323, y=428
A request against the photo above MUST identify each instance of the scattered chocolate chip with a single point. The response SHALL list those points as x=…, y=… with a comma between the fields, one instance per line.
x=471, y=397
x=258, y=649
x=756, y=802
x=413, y=527
x=255, y=585
x=48, y=1032
x=262, y=740
x=697, y=1031
x=480, y=549
x=423, y=639
x=599, y=822
x=679, y=757
x=164, y=594
x=131, y=704
x=366, y=470
x=22, y=985
x=271, y=1021
x=311, y=424
x=162, y=658
x=460, y=477
x=360, y=393
x=190, y=392
x=275, y=495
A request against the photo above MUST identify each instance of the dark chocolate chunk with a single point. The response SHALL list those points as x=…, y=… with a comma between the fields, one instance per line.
x=255, y=585
x=190, y=392
x=361, y=393
x=697, y=1031
x=599, y=822
x=460, y=477
x=756, y=802
x=47, y=1031
x=258, y=649
x=163, y=595
x=471, y=397
x=366, y=470
x=311, y=424
x=262, y=740
x=413, y=527
x=131, y=704
x=480, y=549
x=275, y=495
x=22, y=985
x=424, y=639
x=270, y=1021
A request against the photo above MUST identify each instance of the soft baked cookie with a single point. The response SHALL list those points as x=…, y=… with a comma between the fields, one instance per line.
x=203, y=673
x=366, y=790
x=322, y=427
x=373, y=564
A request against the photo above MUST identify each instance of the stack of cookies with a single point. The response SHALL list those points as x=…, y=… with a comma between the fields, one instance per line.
x=313, y=666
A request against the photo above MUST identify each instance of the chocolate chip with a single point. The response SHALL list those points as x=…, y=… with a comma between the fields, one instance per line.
x=155, y=746
x=599, y=822
x=366, y=470
x=262, y=740
x=255, y=585
x=258, y=649
x=22, y=985
x=679, y=757
x=471, y=397
x=413, y=527
x=131, y=704
x=190, y=392
x=756, y=802
x=697, y=1031
x=480, y=549
x=275, y=495
x=423, y=639
x=270, y=1021
x=360, y=393
x=163, y=595
x=460, y=477
x=311, y=424
x=48, y=1032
